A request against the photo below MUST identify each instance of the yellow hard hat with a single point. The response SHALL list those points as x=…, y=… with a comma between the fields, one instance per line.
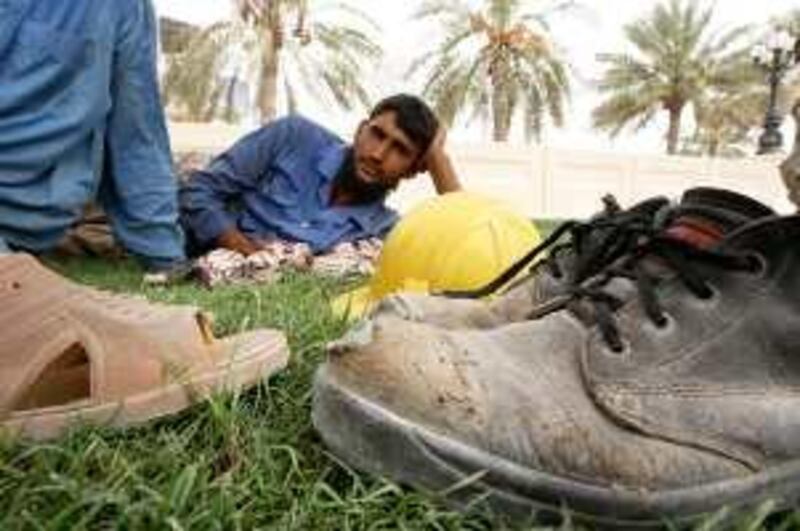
x=453, y=242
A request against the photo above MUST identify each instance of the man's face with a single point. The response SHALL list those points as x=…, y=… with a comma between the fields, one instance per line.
x=383, y=153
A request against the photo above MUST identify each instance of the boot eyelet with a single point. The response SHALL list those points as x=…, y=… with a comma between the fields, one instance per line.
x=665, y=324
x=757, y=263
x=620, y=352
x=711, y=295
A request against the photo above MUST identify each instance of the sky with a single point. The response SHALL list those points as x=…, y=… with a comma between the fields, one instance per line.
x=596, y=28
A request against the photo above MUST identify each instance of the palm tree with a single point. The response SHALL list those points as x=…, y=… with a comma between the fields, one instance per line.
x=791, y=23
x=678, y=62
x=725, y=121
x=325, y=58
x=175, y=35
x=188, y=83
x=495, y=61
x=727, y=114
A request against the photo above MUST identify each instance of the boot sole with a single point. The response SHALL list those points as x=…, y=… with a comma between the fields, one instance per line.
x=375, y=440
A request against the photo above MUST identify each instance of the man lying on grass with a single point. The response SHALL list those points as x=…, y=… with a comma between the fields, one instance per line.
x=296, y=181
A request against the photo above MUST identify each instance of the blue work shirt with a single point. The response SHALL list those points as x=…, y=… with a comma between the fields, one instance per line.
x=81, y=119
x=276, y=182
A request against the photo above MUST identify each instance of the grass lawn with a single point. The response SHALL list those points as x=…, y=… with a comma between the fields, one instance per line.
x=245, y=462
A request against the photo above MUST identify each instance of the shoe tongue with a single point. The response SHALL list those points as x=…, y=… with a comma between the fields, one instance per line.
x=727, y=200
x=699, y=227
x=705, y=215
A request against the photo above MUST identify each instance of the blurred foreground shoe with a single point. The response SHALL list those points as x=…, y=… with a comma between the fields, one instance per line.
x=71, y=354
x=790, y=167
x=591, y=245
x=661, y=390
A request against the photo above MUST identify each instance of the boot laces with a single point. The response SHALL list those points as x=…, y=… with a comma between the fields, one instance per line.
x=676, y=255
x=592, y=244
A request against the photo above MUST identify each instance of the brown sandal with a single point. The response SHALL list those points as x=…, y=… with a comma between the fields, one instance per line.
x=69, y=353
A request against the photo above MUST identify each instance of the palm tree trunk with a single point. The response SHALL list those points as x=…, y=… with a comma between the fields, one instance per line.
x=501, y=108
x=270, y=64
x=713, y=148
x=673, y=134
x=501, y=125
x=302, y=15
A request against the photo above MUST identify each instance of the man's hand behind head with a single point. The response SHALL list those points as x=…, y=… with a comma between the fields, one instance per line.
x=435, y=151
x=437, y=163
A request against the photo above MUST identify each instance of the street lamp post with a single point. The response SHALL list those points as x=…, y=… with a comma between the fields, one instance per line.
x=775, y=56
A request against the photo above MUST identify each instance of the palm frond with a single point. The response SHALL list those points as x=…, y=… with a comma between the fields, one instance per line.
x=337, y=9
x=679, y=60
x=437, y=8
x=446, y=48
x=473, y=70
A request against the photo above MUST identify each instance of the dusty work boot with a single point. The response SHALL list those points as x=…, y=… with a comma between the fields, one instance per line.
x=591, y=246
x=663, y=389
x=790, y=167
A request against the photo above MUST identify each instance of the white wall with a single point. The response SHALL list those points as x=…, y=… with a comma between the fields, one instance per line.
x=553, y=183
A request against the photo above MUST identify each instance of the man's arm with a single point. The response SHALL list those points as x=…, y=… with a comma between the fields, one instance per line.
x=139, y=191
x=437, y=163
x=207, y=196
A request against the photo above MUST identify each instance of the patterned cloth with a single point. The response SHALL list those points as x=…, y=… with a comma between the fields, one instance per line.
x=349, y=259
x=226, y=267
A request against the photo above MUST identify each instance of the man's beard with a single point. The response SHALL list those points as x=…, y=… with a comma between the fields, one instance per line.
x=348, y=182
